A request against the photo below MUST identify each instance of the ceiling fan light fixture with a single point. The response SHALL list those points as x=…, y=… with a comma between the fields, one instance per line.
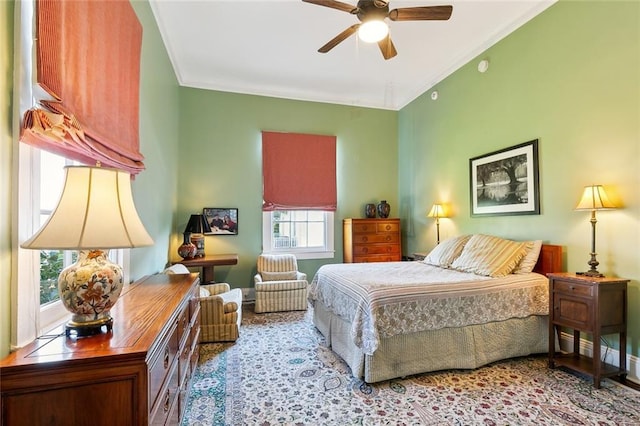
x=373, y=31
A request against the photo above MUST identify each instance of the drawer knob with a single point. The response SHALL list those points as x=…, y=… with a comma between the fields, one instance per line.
x=572, y=288
x=166, y=357
x=388, y=227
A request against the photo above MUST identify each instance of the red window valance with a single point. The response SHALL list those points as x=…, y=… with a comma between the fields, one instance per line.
x=88, y=61
x=298, y=172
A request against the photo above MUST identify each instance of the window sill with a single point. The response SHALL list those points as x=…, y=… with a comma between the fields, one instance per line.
x=305, y=255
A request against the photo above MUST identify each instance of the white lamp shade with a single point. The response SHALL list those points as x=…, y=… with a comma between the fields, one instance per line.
x=436, y=211
x=595, y=198
x=373, y=31
x=95, y=211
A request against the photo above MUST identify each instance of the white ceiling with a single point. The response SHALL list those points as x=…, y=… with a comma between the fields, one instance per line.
x=269, y=47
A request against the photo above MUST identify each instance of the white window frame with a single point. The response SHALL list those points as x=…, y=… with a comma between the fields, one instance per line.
x=326, y=252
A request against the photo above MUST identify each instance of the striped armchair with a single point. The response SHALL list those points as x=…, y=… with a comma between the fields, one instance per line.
x=279, y=285
x=220, y=309
x=220, y=313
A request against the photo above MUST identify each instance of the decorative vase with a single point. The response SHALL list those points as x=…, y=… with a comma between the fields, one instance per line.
x=370, y=211
x=88, y=289
x=384, y=209
x=187, y=250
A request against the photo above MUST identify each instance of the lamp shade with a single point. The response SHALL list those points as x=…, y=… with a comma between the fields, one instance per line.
x=437, y=211
x=95, y=211
x=594, y=197
x=198, y=224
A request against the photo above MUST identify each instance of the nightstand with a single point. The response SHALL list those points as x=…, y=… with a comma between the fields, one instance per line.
x=596, y=306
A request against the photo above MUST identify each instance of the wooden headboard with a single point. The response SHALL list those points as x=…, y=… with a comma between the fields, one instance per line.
x=550, y=259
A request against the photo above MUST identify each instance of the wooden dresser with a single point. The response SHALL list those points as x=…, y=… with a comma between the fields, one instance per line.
x=371, y=240
x=137, y=374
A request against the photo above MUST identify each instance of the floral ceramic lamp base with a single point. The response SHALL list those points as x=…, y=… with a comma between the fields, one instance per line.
x=88, y=289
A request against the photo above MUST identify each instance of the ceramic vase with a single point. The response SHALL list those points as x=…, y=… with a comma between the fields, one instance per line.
x=187, y=250
x=370, y=211
x=384, y=209
x=89, y=288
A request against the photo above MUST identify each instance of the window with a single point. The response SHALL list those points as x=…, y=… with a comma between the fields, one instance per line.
x=36, y=307
x=51, y=171
x=306, y=233
x=299, y=194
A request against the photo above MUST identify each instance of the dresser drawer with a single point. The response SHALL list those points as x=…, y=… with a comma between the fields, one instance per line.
x=361, y=249
x=571, y=288
x=376, y=238
x=378, y=258
x=376, y=227
x=160, y=366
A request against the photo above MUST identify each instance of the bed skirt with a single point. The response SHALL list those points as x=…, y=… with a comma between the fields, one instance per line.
x=449, y=348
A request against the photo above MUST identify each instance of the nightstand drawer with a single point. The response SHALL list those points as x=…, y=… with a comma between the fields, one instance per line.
x=572, y=312
x=571, y=288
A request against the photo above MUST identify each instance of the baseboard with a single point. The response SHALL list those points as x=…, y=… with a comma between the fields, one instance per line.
x=248, y=295
x=611, y=356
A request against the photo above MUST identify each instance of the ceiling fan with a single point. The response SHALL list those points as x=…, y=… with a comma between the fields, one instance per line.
x=372, y=13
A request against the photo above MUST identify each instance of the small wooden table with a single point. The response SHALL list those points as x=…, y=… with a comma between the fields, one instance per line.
x=596, y=306
x=208, y=262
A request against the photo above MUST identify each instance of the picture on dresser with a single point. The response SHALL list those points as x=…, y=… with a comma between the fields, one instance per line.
x=223, y=220
x=505, y=182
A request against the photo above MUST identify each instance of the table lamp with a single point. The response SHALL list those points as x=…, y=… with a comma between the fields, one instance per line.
x=95, y=213
x=437, y=211
x=594, y=198
x=197, y=227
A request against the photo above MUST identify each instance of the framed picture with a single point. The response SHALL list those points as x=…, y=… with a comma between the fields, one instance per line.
x=505, y=182
x=223, y=221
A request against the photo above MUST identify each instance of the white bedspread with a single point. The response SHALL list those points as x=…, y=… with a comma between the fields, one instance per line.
x=385, y=299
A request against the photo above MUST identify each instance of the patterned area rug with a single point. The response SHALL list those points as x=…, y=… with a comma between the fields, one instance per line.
x=279, y=372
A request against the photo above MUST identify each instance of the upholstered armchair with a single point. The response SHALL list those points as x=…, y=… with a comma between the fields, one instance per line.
x=279, y=285
x=220, y=313
x=220, y=309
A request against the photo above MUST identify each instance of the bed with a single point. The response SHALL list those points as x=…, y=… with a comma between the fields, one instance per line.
x=395, y=319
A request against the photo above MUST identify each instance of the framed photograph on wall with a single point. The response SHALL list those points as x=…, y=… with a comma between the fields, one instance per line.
x=223, y=221
x=505, y=182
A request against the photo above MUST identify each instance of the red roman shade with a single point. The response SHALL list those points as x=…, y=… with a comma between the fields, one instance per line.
x=88, y=61
x=298, y=172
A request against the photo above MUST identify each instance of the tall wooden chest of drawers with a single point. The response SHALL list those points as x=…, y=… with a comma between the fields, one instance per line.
x=137, y=374
x=371, y=240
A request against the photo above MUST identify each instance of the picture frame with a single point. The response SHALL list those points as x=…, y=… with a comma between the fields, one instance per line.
x=505, y=182
x=223, y=220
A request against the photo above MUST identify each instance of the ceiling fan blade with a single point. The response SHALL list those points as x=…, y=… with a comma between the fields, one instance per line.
x=334, y=4
x=339, y=38
x=387, y=48
x=424, y=13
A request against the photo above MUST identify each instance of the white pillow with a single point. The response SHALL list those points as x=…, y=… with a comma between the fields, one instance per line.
x=491, y=256
x=530, y=259
x=446, y=252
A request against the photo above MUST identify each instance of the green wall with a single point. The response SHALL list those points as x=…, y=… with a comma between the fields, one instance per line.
x=155, y=189
x=6, y=129
x=570, y=78
x=220, y=165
